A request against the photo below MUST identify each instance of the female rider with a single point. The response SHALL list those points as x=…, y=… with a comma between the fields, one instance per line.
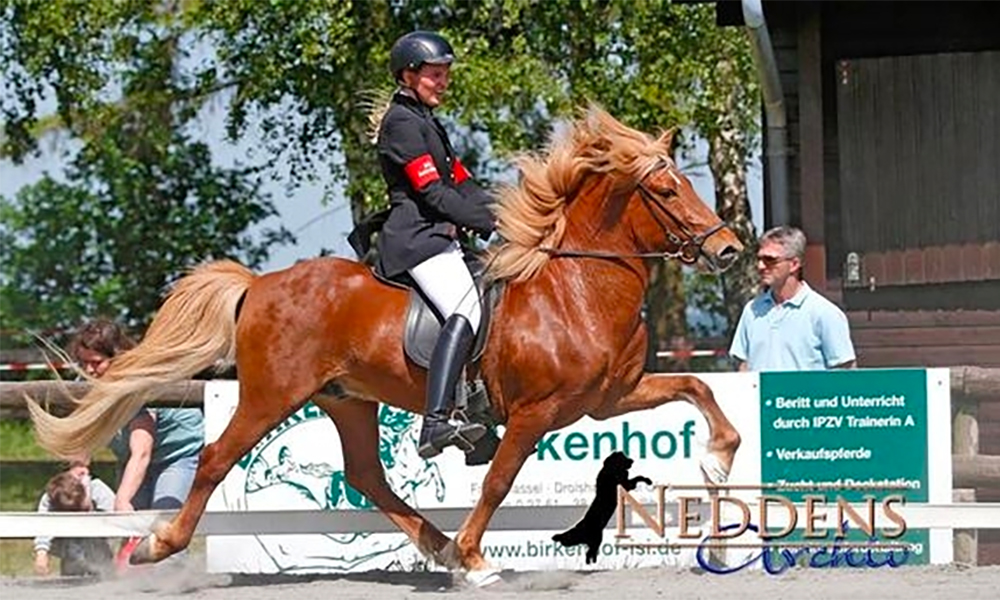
x=432, y=197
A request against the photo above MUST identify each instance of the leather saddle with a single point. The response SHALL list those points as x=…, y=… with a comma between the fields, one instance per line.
x=423, y=322
x=423, y=327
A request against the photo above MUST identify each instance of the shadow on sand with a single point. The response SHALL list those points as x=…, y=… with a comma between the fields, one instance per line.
x=424, y=581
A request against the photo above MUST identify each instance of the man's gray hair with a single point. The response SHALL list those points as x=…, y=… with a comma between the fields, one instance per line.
x=790, y=238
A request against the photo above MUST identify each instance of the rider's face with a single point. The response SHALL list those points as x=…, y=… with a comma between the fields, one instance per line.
x=429, y=82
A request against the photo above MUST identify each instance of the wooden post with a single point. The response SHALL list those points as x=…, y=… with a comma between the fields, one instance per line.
x=63, y=394
x=966, y=546
x=964, y=443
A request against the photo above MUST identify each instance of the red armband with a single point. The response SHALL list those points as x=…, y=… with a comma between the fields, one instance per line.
x=421, y=171
x=459, y=172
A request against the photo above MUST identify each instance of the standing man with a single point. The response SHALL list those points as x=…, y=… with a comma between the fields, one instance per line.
x=789, y=326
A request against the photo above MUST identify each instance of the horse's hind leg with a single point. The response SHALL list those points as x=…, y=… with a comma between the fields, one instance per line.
x=357, y=424
x=655, y=389
x=258, y=412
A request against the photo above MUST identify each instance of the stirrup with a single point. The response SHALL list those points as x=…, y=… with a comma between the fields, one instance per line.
x=463, y=435
x=473, y=431
x=484, y=451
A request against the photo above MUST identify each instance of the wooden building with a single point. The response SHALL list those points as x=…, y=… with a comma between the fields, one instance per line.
x=887, y=136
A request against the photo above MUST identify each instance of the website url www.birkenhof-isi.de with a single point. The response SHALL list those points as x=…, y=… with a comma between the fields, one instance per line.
x=528, y=549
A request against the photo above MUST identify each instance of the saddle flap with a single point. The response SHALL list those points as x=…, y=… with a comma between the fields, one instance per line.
x=423, y=325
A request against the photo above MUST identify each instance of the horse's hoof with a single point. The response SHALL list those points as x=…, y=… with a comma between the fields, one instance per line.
x=713, y=470
x=483, y=577
x=143, y=553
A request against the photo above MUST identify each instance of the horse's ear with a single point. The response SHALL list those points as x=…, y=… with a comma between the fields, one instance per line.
x=667, y=137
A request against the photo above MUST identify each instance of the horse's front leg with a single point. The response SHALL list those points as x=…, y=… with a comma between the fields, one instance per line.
x=522, y=433
x=657, y=389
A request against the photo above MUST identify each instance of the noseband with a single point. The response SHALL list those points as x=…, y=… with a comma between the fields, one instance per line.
x=688, y=250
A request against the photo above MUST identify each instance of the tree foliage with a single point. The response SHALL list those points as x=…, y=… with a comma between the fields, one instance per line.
x=141, y=199
x=109, y=238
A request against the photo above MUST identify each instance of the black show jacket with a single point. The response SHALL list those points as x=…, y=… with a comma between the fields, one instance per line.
x=430, y=192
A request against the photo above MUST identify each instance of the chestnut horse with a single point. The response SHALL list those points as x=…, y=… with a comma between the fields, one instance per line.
x=567, y=337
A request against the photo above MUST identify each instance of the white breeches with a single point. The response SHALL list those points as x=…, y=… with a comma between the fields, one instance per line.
x=447, y=283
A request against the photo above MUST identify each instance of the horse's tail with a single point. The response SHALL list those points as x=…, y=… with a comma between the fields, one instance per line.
x=194, y=329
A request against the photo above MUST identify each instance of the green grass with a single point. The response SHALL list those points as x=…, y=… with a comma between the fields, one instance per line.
x=17, y=442
x=25, y=468
x=17, y=557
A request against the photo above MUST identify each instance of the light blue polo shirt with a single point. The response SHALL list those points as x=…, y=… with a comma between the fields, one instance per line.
x=805, y=333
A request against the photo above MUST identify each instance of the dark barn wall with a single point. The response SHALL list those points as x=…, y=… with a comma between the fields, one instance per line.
x=919, y=167
x=857, y=30
x=943, y=256
x=919, y=135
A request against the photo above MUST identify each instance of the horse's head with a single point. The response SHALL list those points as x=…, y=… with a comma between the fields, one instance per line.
x=605, y=190
x=667, y=215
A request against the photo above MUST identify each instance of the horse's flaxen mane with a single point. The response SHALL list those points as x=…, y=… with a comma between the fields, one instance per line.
x=531, y=215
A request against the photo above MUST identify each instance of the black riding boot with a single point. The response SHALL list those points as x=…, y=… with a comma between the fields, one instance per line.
x=447, y=361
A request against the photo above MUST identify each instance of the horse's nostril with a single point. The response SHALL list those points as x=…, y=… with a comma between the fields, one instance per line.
x=728, y=256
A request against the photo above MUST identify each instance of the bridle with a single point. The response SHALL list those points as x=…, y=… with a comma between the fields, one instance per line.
x=688, y=250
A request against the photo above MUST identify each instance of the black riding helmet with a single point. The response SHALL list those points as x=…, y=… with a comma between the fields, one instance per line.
x=417, y=48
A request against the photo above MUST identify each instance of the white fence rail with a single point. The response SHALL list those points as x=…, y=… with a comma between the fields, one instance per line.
x=984, y=515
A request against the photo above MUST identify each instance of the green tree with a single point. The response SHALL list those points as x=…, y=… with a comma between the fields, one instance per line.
x=112, y=236
x=141, y=200
x=724, y=101
x=326, y=61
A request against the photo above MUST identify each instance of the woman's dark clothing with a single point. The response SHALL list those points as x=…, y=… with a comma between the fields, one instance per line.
x=429, y=190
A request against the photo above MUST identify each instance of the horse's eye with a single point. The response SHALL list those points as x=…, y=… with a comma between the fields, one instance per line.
x=664, y=193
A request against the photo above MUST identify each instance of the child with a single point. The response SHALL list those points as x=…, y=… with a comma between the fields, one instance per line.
x=74, y=490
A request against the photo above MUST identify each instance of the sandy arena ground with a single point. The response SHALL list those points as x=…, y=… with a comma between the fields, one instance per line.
x=189, y=582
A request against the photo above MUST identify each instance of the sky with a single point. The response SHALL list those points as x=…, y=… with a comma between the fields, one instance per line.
x=315, y=225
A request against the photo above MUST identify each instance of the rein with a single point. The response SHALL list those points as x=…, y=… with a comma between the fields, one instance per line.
x=559, y=252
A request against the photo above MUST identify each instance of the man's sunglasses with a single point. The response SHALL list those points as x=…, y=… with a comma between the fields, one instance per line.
x=770, y=261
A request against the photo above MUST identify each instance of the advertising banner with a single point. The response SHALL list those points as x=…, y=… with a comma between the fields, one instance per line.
x=865, y=426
